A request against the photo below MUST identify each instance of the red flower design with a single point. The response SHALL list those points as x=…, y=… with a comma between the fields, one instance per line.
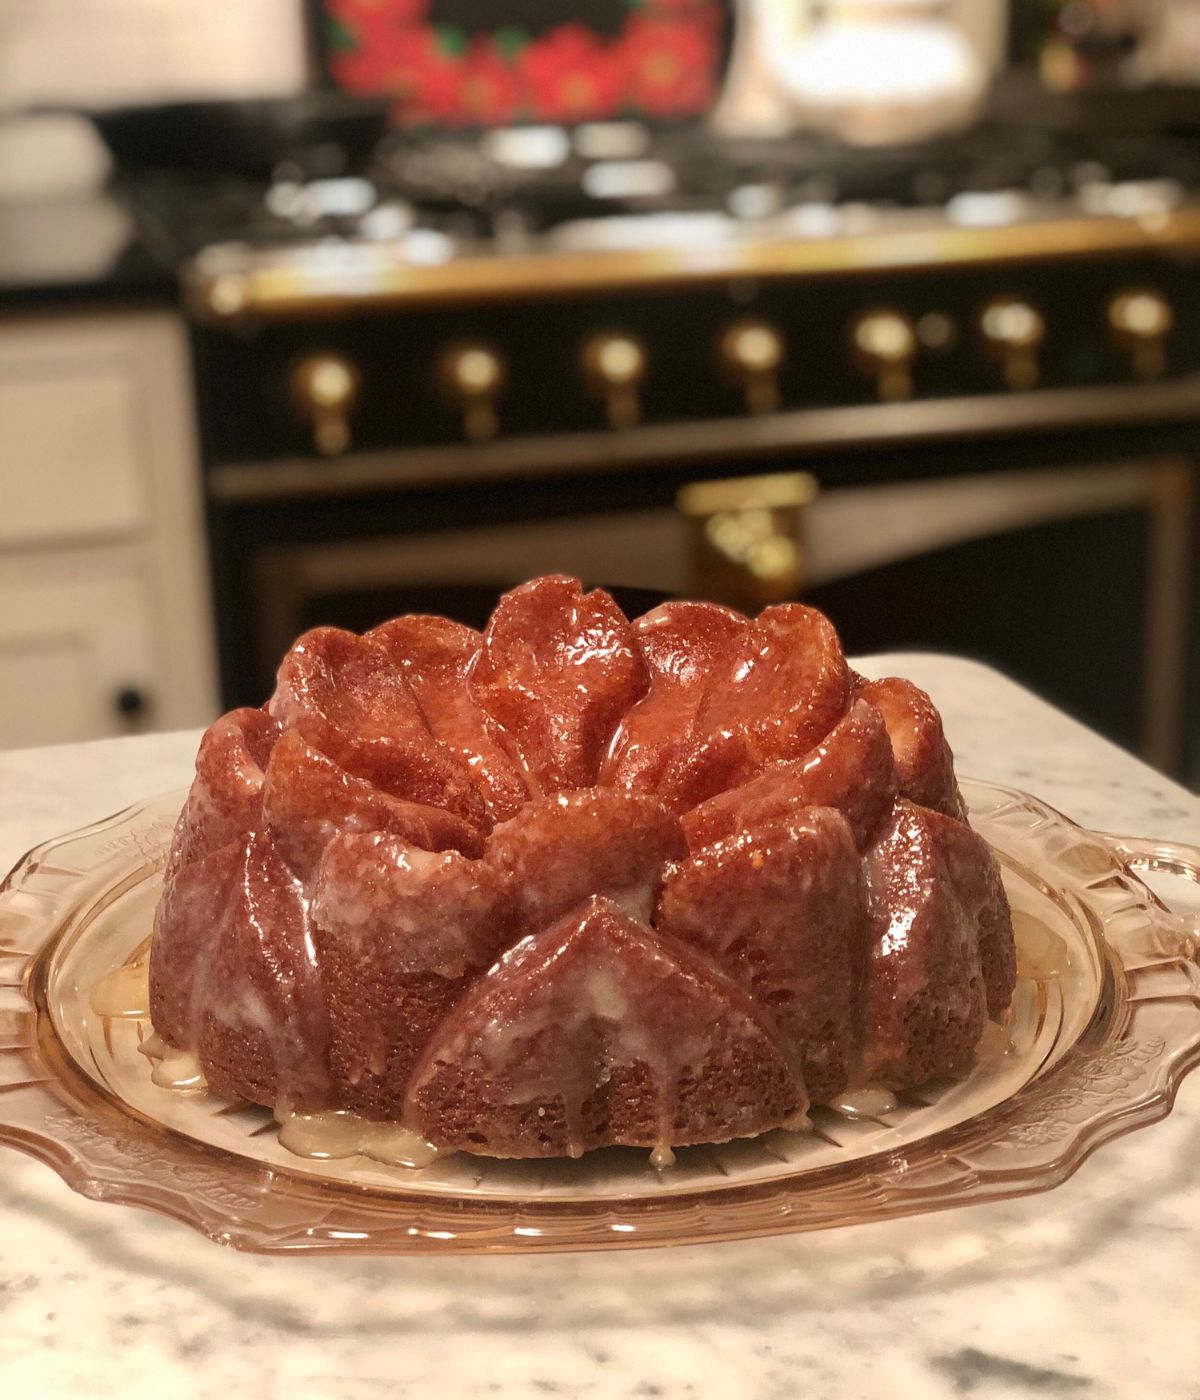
x=376, y=25
x=388, y=36
x=411, y=67
x=489, y=92
x=670, y=65
x=571, y=75
x=664, y=63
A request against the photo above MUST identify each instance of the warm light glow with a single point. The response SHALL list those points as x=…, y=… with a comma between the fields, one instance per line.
x=1012, y=323
x=758, y=348
x=478, y=371
x=881, y=78
x=1142, y=314
x=884, y=338
x=620, y=361
x=331, y=384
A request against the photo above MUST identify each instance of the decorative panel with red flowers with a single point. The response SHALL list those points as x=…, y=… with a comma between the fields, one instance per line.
x=472, y=63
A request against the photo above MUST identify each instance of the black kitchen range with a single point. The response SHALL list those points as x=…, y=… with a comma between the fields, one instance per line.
x=963, y=373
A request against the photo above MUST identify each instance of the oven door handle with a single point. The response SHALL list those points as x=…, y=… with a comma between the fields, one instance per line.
x=747, y=536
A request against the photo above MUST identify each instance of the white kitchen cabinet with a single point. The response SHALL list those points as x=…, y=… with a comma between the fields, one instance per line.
x=105, y=620
x=75, y=662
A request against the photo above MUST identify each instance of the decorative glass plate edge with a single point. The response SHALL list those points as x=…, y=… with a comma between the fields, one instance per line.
x=1123, y=1073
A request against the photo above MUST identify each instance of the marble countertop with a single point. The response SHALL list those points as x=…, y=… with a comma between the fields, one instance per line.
x=1087, y=1291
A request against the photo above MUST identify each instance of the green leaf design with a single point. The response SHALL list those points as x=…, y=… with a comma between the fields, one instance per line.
x=511, y=42
x=342, y=39
x=452, y=41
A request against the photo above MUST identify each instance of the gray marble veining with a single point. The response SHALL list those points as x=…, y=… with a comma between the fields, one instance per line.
x=1088, y=1291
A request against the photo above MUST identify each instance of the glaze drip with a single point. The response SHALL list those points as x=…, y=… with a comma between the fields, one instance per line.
x=336, y=1135
x=123, y=994
x=598, y=1029
x=173, y=1069
x=865, y=1103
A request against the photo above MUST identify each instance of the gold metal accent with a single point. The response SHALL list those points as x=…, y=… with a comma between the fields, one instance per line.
x=885, y=346
x=614, y=366
x=1140, y=322
x=227, y=295
x=1013, y=332
x=748, y=536
x=325, y=389
x=472, y=377
x=379, y=280
x=753, y=353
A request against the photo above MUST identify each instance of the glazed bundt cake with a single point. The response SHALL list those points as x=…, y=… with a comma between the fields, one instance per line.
x=577, y=881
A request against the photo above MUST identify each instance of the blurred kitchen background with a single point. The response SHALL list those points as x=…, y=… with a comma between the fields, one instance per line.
x=317, y=311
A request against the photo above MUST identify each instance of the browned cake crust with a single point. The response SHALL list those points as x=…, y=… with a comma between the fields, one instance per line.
x=578, y=881
x=688, y=1059
x=927, y=988
x=779, y=907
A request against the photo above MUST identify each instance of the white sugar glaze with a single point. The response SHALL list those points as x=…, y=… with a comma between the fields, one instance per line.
x=173, y=1069
x=336, y=1134
x=864, y=1103
x=123, y=994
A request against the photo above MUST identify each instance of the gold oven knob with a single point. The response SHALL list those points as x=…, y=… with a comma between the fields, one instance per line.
x=748, y=536
x=614, y=366
x=1140, y=322
x=753, y=353
x=472, y=378
x=1013, y=332
x=325, y=389
x=885, y=346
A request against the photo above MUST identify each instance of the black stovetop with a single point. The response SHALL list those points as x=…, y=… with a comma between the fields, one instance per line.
x=459, y=188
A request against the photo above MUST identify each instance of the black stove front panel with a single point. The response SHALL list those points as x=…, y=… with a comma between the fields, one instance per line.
x=247, y=375
x=1058, y=605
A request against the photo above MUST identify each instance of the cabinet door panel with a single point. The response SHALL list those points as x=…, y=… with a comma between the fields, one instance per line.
x=67, y=653
x=70, y=449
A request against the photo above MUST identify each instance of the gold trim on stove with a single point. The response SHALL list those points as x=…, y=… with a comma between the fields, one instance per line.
x=375, y=278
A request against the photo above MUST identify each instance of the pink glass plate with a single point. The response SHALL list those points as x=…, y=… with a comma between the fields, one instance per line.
x=1105, y=1023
